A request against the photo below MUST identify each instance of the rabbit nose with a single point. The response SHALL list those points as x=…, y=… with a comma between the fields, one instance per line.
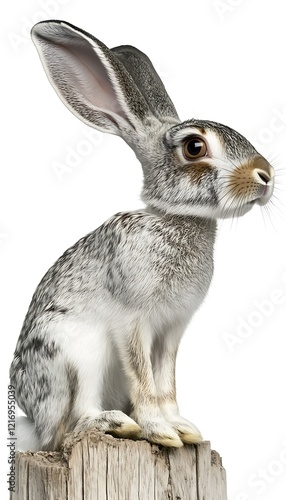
x=263, y=176
x=262, y=171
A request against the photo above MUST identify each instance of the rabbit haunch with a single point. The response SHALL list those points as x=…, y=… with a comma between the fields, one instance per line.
x=99, y=342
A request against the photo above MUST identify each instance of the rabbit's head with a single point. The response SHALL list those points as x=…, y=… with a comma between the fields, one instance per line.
x=199, y=168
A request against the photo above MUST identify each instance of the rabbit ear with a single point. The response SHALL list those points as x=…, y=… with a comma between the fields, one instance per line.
x=147, y=80
x=89, y=78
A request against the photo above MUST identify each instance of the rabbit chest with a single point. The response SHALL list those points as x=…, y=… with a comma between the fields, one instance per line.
x=157, y=264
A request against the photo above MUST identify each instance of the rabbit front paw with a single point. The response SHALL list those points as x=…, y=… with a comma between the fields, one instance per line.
x=161, y=433
x=112, y=422
x=187, y=432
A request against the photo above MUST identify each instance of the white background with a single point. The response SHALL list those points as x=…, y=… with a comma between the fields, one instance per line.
x=220, y=60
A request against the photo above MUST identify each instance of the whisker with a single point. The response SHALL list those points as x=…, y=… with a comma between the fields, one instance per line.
x=275, y=207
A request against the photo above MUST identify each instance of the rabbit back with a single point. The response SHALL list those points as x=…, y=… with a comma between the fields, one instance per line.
x=130, y=261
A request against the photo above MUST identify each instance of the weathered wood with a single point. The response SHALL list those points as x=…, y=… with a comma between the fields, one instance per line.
x=97, y=466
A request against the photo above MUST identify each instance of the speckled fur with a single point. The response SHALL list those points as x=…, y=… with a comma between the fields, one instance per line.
x=99, y=342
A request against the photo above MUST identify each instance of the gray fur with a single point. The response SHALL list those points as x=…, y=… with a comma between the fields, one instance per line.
x=147, y=80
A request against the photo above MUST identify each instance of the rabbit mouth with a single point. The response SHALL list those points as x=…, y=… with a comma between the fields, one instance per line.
x=266, y=193
x=263, y=196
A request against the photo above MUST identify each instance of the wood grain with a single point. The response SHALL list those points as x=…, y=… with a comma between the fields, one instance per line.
x=97, y=466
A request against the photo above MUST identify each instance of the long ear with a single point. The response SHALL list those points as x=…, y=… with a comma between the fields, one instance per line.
x=89, y=78
x=147, y=80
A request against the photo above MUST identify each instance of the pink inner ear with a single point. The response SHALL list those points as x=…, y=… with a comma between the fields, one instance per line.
x=78, y=66
x=82, y=75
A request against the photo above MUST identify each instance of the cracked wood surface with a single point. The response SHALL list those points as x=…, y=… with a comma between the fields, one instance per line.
x=97, y=466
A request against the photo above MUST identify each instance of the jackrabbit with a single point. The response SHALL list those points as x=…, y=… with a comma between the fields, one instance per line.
x=99, y=342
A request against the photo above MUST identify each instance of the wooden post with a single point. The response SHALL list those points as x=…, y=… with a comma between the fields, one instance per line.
x=97, y=466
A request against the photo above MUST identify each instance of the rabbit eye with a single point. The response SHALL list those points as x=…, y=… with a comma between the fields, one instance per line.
x=195, y=148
